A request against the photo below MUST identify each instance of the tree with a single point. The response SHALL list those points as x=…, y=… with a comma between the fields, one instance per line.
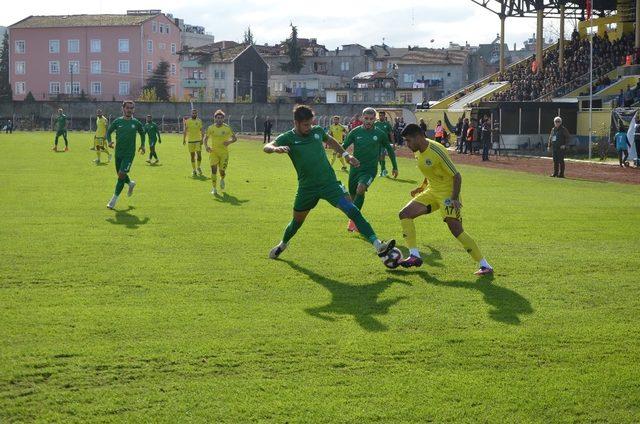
x=29, y=98
x=159, y=81
x=294, y=51
x=148, y=95
x=5, y=86
x=248, y=36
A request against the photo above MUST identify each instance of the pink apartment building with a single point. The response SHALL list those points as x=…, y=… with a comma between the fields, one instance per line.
x=106, y=56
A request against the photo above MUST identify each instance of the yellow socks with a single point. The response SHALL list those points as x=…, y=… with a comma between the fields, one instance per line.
x=409, y=232
x=470, y=246
x=199, y=162
x=214, y=179
x=193, y=165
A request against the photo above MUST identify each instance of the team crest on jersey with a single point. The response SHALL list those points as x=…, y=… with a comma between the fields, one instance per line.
x=133, y=126
x=375, y=138
x=316, y=136
x=428, y=162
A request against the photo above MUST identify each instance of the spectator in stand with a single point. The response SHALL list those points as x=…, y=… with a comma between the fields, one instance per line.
x=9, y=127
x=459, y=131
x=628, y=97
x=620, y=99
x=622, y=146
x=423, y=126
x=471, y=133
x=485, y=137
x=268, y=125
x=439, y=132
x=558, y=141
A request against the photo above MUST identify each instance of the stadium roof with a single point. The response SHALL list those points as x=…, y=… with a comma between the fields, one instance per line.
x=528, y=8
x=59, y=21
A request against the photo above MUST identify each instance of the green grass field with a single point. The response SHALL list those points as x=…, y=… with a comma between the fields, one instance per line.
x=168, y=309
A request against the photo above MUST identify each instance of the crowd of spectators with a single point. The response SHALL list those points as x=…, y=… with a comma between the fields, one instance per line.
x=528, y=83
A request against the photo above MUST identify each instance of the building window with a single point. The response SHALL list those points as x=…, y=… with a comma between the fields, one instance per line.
x=123, y=45
x=344, y=66
x=150, y=46
x=406, y=97
x=96, y=87
x=74, y=67
x=21, y=46
x=378, y=66
x=96, y=67
x=123, y=66
x=173, y=48
x=409, y=78
x=54, y=87
x=73, y=46
x=20, y=88
x=54, y=46
x=154, y=26
x=341, y=98
x=219, y=94
x=123, y=88
x=166, y=28
x=70, y=88
x=172, y=90
x=161, y=28
x=149, y=67
x=96, y=46
x=21, y=68
x=173, y=69
x=54, y=67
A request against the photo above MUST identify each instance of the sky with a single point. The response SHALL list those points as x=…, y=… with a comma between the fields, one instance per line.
x=429, y=23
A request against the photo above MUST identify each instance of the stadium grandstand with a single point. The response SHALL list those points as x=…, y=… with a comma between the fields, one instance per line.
x=523, y=98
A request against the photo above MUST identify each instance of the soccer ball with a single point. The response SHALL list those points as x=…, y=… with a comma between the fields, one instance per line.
x=393, y=258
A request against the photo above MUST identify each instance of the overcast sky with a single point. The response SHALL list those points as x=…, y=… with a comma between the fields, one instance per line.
x=332, y=22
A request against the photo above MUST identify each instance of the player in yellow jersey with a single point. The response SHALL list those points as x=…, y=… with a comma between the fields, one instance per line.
x=100, y=137
x=337, y=131
x=439, y=191
x=220, y=135
x=193, y=136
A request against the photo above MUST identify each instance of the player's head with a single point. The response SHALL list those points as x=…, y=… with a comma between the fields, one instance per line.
x=557, y=121
x=60, y=111
x=149, y=118
x=99, y=112
x=194, y=113
x=128, y=107
x=382, y=115
x=414, y=136
x=368, y=117
x=336, y=120
x=303, y=119
x=439, y=122
x=622, y=129
x=218, y=117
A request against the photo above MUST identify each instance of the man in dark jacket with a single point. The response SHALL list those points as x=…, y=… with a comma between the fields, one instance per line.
x=558, y=141
x=267, y=130
x=463, y=136
x=485, y=137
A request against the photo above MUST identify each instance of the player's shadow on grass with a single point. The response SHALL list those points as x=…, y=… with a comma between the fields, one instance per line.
x=200, y=178
x=227, y=198
x=360, y=301
x=507, y=304
x=403, y=181
x=432, y=258
x=123, y=217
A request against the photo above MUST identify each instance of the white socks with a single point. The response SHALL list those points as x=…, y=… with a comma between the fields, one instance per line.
x=414, y=252
x=484, y=263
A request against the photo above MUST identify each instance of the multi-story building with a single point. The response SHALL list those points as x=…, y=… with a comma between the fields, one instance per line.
x=193, y=35
x=376, y=87
x=105, y=57
x=213, y=73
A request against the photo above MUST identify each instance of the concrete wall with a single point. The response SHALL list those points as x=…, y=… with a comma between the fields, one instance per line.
x=240, y=115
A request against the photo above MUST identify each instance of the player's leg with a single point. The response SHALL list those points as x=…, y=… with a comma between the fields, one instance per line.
x=294, y=225
x=96, y=146
x=224, y=162
x=199, y=157
x=626, y=156
x=214, y=160
x=620, y=157
x=66, y=141
x=192, y=154
x=411, y=211
x=468, y=243
x=383, y=166
x=55, y=141
x=561, y=160
x=353, y=190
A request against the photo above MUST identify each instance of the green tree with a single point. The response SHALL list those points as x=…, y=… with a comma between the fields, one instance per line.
x=159, y=81
x=29, y=98
x=294, y=51
x=5, y=86
x=248, y=36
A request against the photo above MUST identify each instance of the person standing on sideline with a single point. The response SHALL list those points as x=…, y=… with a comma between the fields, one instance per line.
x=9, y=128
x=399, y=127
x=558, y=140
x=458, y=132
x=439, y=132
x=485, y=137
x=462, y=140
x=268, y=125
x=471, y=133
x=622, y=146
x=423, y=126
x=636, y=140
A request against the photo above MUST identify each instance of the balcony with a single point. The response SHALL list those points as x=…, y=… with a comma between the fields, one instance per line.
x=194, y=83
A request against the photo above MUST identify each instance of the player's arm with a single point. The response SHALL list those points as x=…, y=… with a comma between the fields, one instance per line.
x=392, y=156
x=420, y=188
x=339, y=149
x=204, y=141
x=455, y=192
x=142, y=136
x=158, y=132
x=184, y=133
x=392, y=137
x=111, y=129
x=232, y=140
x=348, y=141
x=279, y=145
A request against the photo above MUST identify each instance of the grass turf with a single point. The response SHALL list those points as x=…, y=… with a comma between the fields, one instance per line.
x=168, y=308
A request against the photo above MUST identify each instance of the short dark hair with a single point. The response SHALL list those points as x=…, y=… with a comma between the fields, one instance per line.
x=411, y=130
x=128, y=102
x=302, y=113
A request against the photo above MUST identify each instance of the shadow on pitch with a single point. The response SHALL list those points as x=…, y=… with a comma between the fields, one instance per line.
x=507, y=304
x=431, y=257
x=123, y=217
x=199, y=178
x=359, y=301
x=227, y=198
x=401, y=180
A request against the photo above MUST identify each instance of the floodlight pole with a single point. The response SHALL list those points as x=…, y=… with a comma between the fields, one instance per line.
x=590, y=81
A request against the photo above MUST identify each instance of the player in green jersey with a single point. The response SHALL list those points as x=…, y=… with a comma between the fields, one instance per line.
x=153, y=135
x=383, y=125
x=60, y=125
x=367, y=142
x=125, y=128
x=316, y=178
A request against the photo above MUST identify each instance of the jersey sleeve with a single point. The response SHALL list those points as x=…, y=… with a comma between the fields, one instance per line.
x=445, y=162
x=348, y=141
x=386, y=143
x=111, y=128
x=323, y=134
x=283, y=139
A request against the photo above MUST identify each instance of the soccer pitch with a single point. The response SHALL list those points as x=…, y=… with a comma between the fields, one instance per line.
x=168, y=310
